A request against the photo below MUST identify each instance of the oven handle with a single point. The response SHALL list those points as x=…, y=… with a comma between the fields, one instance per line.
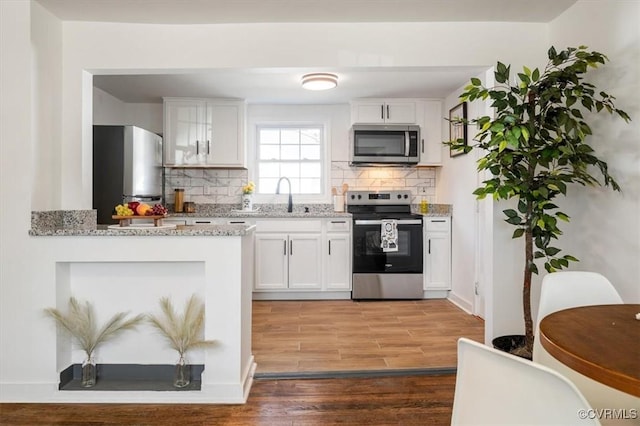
x=379, y=222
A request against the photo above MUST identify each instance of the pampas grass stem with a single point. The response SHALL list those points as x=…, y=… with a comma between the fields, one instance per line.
x=80, y=323
x=181, y=331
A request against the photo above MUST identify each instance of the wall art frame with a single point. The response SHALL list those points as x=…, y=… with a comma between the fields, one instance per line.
x=457, y=129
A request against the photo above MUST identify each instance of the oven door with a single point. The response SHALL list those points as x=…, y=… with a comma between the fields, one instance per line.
x=368, y=256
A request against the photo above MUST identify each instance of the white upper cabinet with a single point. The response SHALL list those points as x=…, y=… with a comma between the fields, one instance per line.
x=431, y=133
x=387, y=111
x=204, y=133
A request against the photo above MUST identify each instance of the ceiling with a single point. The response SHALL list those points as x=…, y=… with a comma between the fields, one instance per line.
x=251, y=11
x=282, y=85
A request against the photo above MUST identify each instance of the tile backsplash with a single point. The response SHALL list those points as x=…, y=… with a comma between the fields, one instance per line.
x=211, y=186
x=420, y=181
x=224, y=186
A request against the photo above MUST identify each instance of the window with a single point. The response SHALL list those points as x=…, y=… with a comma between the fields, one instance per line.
x=295, y=152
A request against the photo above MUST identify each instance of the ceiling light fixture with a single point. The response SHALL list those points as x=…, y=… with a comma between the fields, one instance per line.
x=319, y=81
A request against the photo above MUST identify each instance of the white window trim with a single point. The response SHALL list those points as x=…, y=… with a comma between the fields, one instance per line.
x=324, y=197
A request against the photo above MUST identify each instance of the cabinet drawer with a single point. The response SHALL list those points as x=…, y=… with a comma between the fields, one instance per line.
x=217, y=221
x=338, y=225
x=176, y=222
x=289, y=225
x=437, y=224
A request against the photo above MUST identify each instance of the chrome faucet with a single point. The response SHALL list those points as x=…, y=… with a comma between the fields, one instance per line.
x=290, y=206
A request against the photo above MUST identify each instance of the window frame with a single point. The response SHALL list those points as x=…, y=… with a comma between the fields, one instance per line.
x=325, y=163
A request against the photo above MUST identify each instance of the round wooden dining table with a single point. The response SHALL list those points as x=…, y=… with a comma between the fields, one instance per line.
x=601, y=342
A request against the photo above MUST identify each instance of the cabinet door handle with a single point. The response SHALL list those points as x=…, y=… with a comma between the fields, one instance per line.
x=236, y=221
x=197, y=147
x=208, y=147
x=423, y=146
x=329, y=247
x=290, y=247
x=338, y=221
x=429, y=251
x=285, y=247
x=388, y=117
x=382, y=111
x=437, y=220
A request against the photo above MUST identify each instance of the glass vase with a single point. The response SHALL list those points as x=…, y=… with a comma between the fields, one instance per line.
x=247, y=202
x=182, y=376
x=89, y=370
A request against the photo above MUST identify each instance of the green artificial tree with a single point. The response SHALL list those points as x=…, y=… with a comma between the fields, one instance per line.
x=535, y=145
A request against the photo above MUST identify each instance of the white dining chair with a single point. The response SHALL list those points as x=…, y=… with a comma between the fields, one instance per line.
x=569, y=289
x=497, y=388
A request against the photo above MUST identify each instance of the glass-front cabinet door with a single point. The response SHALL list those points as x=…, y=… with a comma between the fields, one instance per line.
x=184, y=132
x=204, y=133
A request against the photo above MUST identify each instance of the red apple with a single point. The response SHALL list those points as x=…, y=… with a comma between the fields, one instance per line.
x=133, y=205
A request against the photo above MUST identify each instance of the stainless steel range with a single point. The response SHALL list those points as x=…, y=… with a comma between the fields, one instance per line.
x=395, y=270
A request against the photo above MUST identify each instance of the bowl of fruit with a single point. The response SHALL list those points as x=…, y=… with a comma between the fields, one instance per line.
x=137, y=210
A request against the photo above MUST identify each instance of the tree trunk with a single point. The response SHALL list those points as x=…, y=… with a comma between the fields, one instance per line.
x=526, y=291
x=528, y=239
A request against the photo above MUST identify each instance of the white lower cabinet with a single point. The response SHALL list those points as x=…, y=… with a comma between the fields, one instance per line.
x=437, y=253
x=290, y=259
x=304, y=261
x=299, y=255
x=272, y=262
x=287, y=261
x=338, y=264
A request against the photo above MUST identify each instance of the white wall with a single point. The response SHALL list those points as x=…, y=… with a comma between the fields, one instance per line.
x=46, y=35
x=109, y=110
x=107, y=47
x=16, y=120
x=604, y=232
x=455, y=181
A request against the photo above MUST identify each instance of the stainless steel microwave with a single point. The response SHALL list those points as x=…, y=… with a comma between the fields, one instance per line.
x=385, y=144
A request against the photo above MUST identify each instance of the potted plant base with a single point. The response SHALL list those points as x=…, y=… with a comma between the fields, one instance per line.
x=513, y=344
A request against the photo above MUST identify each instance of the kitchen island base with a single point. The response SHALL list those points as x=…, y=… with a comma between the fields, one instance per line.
x=130, y=273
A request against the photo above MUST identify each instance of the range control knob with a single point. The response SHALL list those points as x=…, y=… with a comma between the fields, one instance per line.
x=406, y=196
x=353, y=197
x=399, y=196
x=359, y=196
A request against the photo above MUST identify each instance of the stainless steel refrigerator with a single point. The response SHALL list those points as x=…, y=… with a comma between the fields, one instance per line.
x=127, y=166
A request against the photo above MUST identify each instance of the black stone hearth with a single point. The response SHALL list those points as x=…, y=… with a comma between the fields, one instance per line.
x=130, y=377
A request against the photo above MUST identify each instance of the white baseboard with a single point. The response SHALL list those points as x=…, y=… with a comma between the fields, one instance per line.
x=461, y=303
x=302, y=295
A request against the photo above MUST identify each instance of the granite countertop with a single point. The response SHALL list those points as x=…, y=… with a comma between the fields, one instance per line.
x=83, y=222
x=236, y=230
x=279, y=211
x=436, y=214
x=262, y=211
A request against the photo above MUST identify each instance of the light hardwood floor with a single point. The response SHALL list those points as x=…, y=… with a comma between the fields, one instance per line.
x=304, y=336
